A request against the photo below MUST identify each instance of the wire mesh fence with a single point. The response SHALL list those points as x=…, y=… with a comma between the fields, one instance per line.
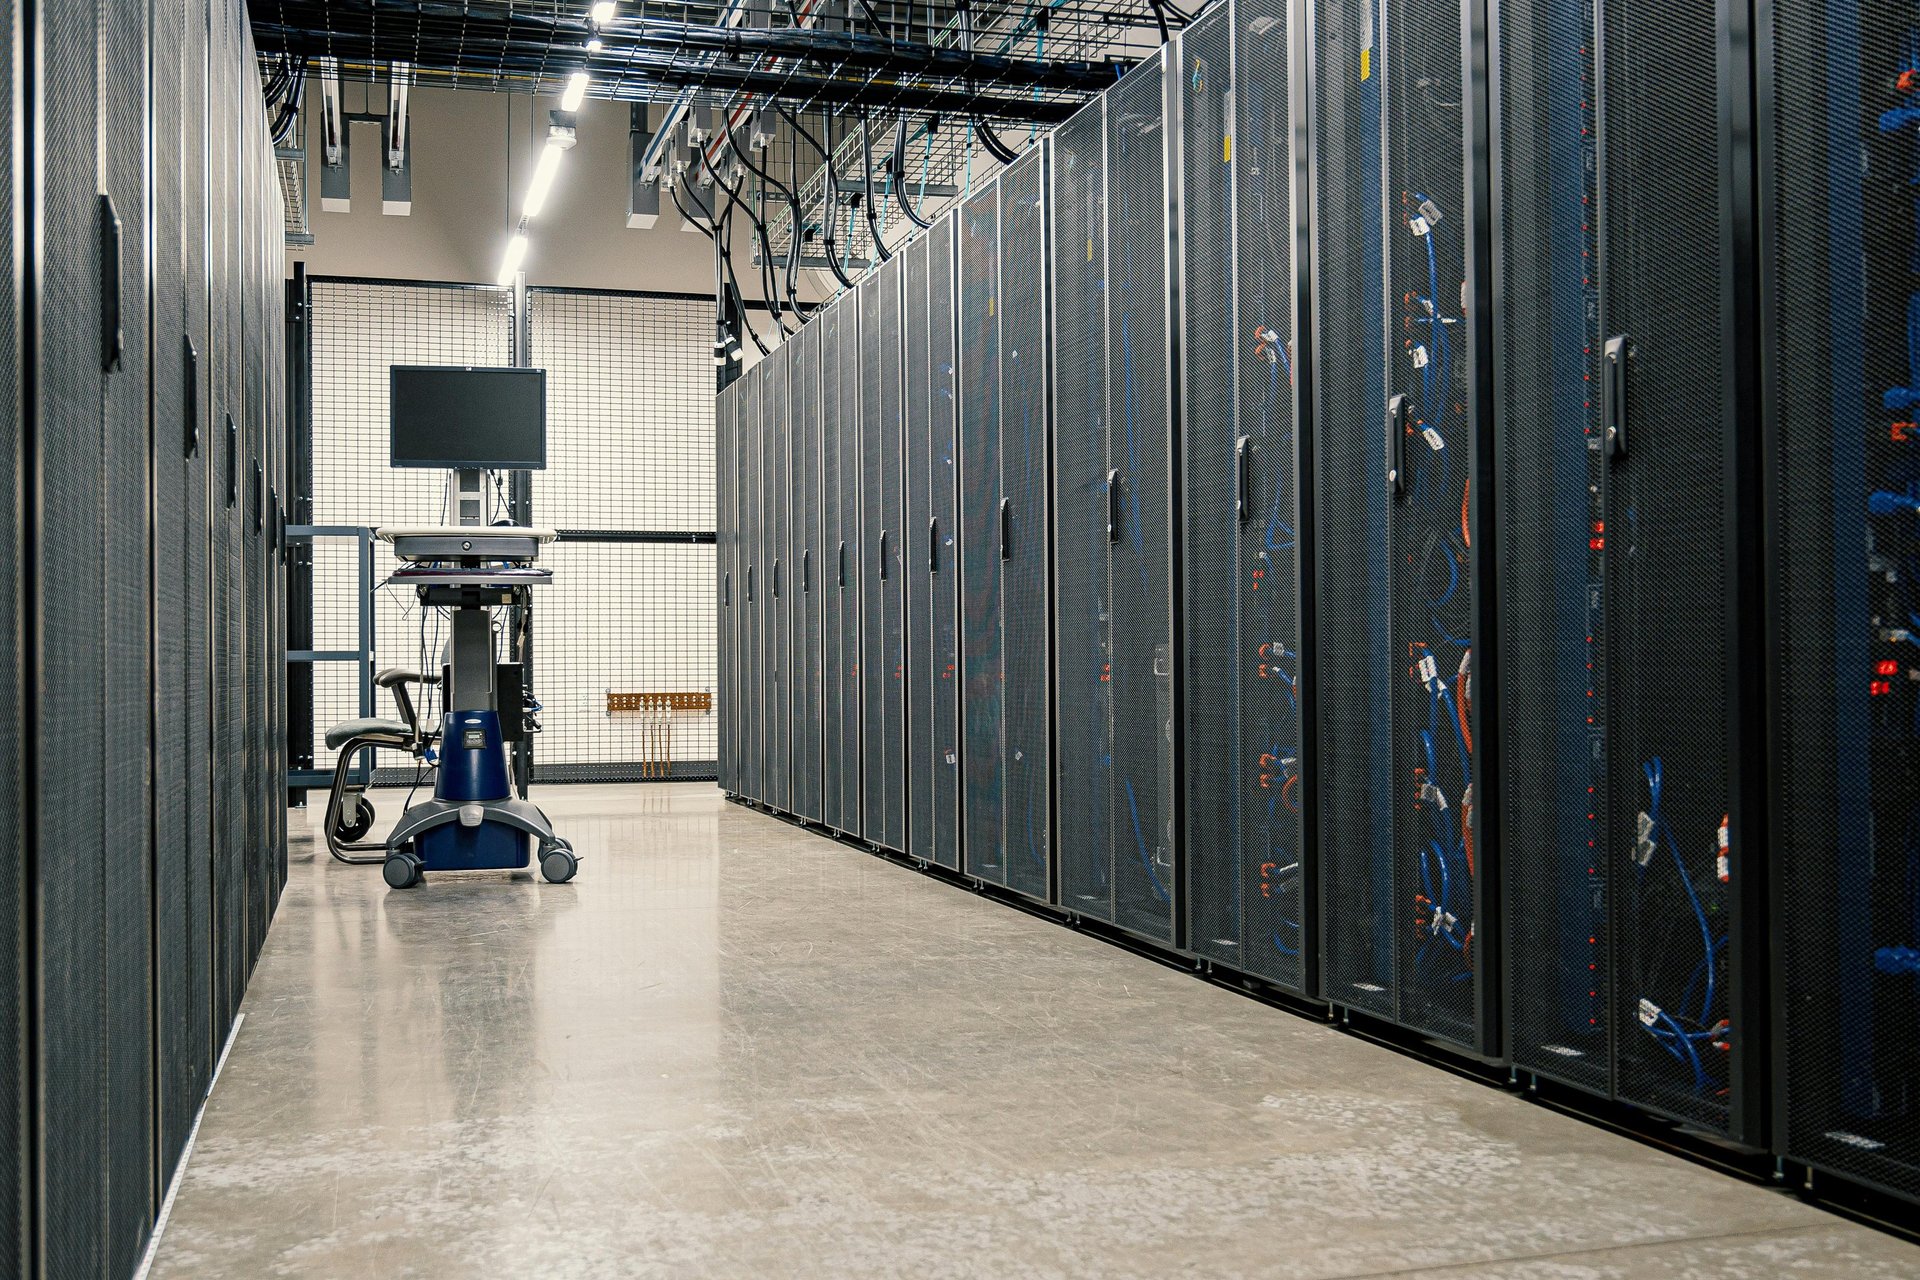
x=624, y=647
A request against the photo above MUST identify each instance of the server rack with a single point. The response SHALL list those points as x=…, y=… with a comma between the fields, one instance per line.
x=726, y=538
x=1403, y=902
x=775, y=497
x=1249, y=883
x=1839, y=240
x=1004, y=521
x=843, y=445
x=1624, y=823
x=883, y=656
x=1113, y=497
x=931, y=543
x=753, y=576
x=804, y=417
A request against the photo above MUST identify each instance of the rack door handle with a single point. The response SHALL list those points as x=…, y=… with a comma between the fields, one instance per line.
x=841, y=568
x=806, y=571
x=1613, y=393
x=749, y=584
x=113, y=335
x=190, y=400
x=726, y=590
x=1397, y=445
x=933, y=545
x=1006, y=528
x=1113, y=505
x=1243, y=479
x=776, y=577
x=883, y=555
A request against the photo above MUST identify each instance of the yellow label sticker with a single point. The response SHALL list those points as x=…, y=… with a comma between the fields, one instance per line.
x=1366, y=64
x=1089, y=248
x=989, y=306
x=1226, y=149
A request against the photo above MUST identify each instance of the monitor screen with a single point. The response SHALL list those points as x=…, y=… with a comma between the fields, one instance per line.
x=453, y=417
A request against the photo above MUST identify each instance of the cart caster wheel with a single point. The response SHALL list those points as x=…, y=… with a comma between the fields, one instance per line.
x=558, y=863
x=352, y=829
x=402, y=870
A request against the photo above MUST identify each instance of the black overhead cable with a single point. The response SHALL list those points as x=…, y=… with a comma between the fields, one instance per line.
x=720, y=250
x=898, y=166
x=760, y=232
x=828, y=236
x=793, y=207
x=866, y=175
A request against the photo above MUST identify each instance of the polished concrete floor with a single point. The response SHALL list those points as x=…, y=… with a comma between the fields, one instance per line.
x=732, y=1049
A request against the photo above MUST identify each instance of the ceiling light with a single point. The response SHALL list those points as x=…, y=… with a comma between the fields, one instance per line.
x=576, y=91
x=595, y=45
x=602, y=13
x=516, y=251
x=543, y=176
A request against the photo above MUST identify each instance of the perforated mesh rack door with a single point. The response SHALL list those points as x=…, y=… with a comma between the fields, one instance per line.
x=1083, y=581
x=834, y=619
x=71, y=617
x=753, y=658
x=1364, y=919
x=983, y=753
x=920, y=536
x=1250, y=898
x=1139, y=427
x=1024, y=443
x=945, y=683
x=1838, y=256
x=1553, y=625
x=725, y=526
x=1672, y=667
x=775, y=500
x=851, y=558
x=883, y=658
x=803, y=391
x=14, y=1088
x=1426, y=673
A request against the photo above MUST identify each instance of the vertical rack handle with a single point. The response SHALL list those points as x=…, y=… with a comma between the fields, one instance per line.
x=1243, y=479
x=883, y=555
x=1113, y=505
x=1397, y=445
x=933, y=545
x=776, y=577
x=1006, y=528
x=749, y=584
x=726, y=589
x=1613, y=393
x=842, y=566
x=806, y=571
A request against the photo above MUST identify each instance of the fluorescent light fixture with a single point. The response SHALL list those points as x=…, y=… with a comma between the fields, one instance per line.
x=516, y=251
x=543, y=176
x=576, y=91
x=601, y=13
x=595, y=45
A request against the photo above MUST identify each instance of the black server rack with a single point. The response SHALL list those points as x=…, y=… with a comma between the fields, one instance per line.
x=851, y=583
x=197, y=352
x=15, y=802
x=1841, y=296
x=72, y=1107
x=804, y=419
x=775, y=501
x=840, y=721
x=883, y=655
x=931, y=543
x=725, y=539
x=1403, y=901
x=1113, y=503
x=1623, y=830
x=173, y=442
x=1004, y=460
x=752, y=664
x=121, y=650
x=1250, y=892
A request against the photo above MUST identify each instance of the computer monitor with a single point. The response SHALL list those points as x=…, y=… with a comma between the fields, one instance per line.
x=454, y=417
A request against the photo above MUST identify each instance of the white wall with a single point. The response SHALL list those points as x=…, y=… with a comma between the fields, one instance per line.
x=472, y=156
